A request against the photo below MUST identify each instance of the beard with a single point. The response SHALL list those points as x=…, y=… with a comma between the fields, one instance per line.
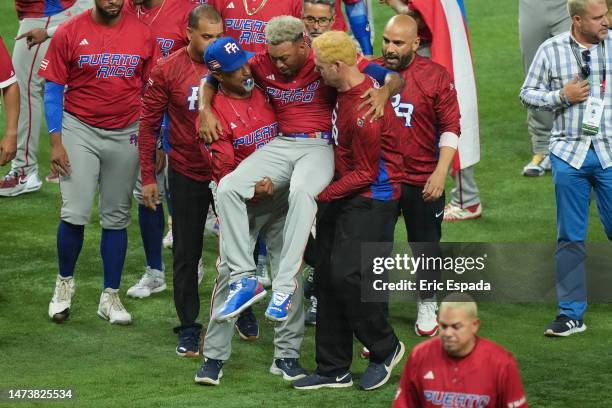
x=397, y=62
x=108, y=14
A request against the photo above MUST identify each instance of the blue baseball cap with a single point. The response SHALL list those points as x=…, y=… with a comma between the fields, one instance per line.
x=225, y=55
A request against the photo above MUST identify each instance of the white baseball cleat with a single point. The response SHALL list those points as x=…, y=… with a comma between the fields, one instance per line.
x=59, y=307
x=152, y=281
x=15, y=183
x=111, y=308
x=427, y=320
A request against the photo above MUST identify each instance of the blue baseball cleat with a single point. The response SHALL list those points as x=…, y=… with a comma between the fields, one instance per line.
x=243, y=294
x=279, y=306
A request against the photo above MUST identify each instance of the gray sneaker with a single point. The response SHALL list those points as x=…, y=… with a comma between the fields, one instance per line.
x=377, y=374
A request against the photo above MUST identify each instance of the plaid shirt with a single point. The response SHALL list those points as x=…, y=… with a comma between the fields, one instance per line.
x=554, y=65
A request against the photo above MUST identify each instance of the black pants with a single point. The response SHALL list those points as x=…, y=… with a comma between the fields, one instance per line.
x=342, y=227
x=424, y=228
x=190, y=201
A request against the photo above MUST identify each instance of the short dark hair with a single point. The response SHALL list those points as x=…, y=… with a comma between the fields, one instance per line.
x=330, y=3
x=204, y=11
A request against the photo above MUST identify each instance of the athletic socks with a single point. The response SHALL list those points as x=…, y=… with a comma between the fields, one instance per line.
x=69, y=244
x=113, y=247
x=152, y=232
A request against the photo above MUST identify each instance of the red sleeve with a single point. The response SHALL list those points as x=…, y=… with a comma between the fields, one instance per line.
x=223, y=160
x=155, y=102
x=366, y=152
x=55, y=65
x=446, y=105
x=7, y=72
x=512, y=392
x=407, y=395
x=154, y=55
x=297, y=9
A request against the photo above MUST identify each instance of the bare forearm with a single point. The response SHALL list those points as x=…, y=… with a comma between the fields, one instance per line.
x=445, y=159
x=11, y=104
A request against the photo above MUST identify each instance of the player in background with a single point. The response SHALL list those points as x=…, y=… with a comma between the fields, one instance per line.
x=458, y=368
x=359, y=205
x=173, y=88
x=246, y=20
x=10, y=98
x=428, y=118
x=167, y=20
x=95, y=68
x=38, y=20
x=444, y=31
x=301, y=158
x=320, y=16
x=248, y=122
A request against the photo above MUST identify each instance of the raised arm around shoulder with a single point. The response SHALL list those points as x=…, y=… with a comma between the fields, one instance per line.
x=210, y=127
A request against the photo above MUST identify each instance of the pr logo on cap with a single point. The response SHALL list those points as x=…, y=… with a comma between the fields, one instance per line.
x=231, y=48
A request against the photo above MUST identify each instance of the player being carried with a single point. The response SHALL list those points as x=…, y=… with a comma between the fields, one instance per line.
x=300, y=158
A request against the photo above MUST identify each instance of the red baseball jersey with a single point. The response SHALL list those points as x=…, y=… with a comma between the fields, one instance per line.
x=368, y=158
x=168, y=22
x=486, y=378
x=41, y=8
x=248, y=124
x=173, y=86
x=7, y=72
x=104, y=68
x=426, y=108
x=304, y=103
x=245, y=20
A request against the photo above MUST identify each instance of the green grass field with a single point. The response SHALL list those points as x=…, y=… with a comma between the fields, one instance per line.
x=136, y=366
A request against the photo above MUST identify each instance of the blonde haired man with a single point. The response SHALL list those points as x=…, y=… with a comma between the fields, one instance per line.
x=458, y=368
x=359, y=205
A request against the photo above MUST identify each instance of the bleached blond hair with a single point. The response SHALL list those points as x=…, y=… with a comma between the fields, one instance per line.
x=284, y=28
x=334, y=46
x=461, y=301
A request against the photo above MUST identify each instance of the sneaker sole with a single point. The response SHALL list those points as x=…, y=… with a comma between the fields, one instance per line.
x=331, y=385
x=277, y=371
x=252, y=301
x=208, y=381
x=61, y=317
x=152, y=291
x=394, y=362
x=188, y=354
x=245, y=337
x=424, y=333
x=276, y=319
x=24, y=191
x=118, y=322
x=550, y=333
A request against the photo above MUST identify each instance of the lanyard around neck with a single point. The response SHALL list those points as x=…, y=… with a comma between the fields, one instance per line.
x=583, y=68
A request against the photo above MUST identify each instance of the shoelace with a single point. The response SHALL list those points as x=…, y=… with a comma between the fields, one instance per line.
x=115, y=302
x=63, y=294
x=279, y=298
x=234, y=290
x=10, y=175
x=426, y=309
x=217, y=363
x=146, y=278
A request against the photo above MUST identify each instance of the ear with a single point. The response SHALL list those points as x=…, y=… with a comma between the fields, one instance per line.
x=476, y=325
x=189, y=33
x=416, y=44
x=217, y=76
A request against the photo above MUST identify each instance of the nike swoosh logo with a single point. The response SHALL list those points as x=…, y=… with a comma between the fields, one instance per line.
x=23, y=181
x=439, y=214
x=340, y=379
